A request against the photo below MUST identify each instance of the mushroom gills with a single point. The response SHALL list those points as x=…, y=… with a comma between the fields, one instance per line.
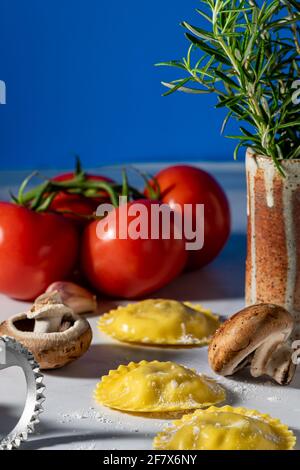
x=244, y=363
x=276, y=363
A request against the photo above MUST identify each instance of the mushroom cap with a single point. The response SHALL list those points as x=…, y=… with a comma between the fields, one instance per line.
x=48, y=305
x=50, y=350
x=246, y=331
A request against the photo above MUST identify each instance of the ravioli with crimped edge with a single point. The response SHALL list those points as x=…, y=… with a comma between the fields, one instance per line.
x=225, y=428
x=157, y=387
x=160, y=322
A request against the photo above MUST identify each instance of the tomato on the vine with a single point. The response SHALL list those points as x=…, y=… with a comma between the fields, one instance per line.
x=183, y=184
x=36, y=249
x=127, y=267
x=77, y=206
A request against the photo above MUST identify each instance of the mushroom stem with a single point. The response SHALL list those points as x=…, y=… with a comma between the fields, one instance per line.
x=48, y=312
x=79, y=299
x=45, y=326
x=278, y=364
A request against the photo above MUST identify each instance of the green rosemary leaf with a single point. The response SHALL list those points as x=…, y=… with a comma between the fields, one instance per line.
x=248, y=54
x=204, y=15
x=171, y=63
x=247, y=133
x=207, y=49
x=239, y=137
x=236, y=150
x=225, y=121
x=282, y=23
x=184, y=89
x=289, y=124
x=237, y=10
x=201, y=33
x=265, y=107
x=173, y=87
x=279, y=152
x=227, y=79
x=202, y=59
x=188, y=59
x=278, y=166
x=295, y=153
x=295, y=4
x=269, y=11
x=231, y=100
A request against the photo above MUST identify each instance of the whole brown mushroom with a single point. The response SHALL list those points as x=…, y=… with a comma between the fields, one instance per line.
x=257, y=336
x=52, y=332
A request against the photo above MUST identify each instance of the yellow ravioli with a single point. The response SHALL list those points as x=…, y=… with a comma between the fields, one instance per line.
x=160, y=322
x=157, y=387
x=225, y=428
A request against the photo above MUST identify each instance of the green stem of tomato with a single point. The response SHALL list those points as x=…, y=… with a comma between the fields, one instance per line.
x=23, y=186
x=41, y=197
x=45, y=204
x=125, y=189
x=36, y=197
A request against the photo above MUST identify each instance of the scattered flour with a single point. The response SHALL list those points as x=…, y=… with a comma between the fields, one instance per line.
x=274, y=399
x=91, y=414
x=244, y=390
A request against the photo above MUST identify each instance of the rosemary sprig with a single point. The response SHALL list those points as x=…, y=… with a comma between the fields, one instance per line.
x=248, y=55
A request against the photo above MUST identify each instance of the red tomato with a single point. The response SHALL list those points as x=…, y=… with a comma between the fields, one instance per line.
x=129, y=267
x=79, y=205
x=36, y=249
x=183, y=184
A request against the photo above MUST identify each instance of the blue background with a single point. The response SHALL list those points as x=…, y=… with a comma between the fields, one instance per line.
x=80, y=80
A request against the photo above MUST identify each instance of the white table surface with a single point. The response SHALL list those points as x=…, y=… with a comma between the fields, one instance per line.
x=72, y=420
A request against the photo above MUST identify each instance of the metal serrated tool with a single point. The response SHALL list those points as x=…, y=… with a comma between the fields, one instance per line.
x=12, y=353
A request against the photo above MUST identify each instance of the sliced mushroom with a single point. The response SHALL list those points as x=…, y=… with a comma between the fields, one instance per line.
x=257, y=336
x=79, y=299
x=296, y=352
x=51, y=331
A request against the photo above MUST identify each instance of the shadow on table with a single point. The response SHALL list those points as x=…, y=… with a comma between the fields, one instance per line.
x=104, y=306
x=8, y=419
x=48, y=439
x=222, y=279
x=297, y=434
x=244, y=376
x=100, y=358
x=296, y=380
x=45, y=439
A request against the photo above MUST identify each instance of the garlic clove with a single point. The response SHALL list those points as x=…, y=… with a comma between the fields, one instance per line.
x=79, y=299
